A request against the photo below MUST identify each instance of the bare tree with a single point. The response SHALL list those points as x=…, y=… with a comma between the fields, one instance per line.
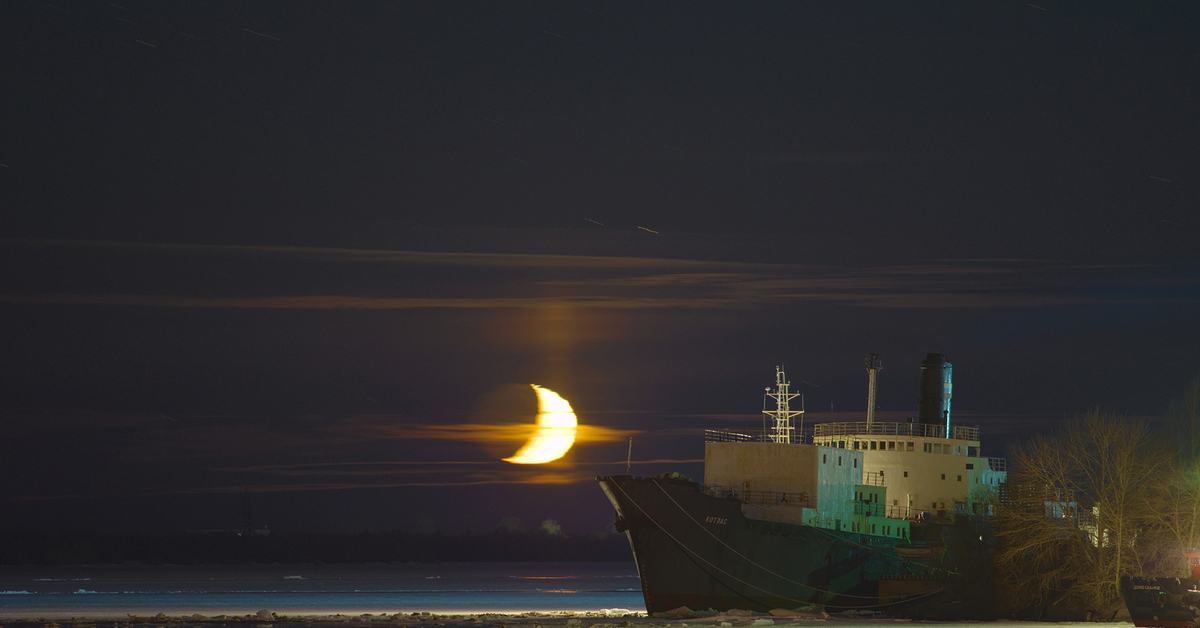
x=1177, y=497
x=1119, y=461
x=1039, y=548
x=1069, y=522
x=1175, y=525
x=1183, y=424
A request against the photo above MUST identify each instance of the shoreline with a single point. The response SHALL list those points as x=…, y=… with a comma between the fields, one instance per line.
x=560, y=619
x=352, y=616
x=605, y=618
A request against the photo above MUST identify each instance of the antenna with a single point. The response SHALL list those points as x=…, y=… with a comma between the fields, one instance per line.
x=781, y=430
x=802, y=418
x=629, y=456
x=763, y=436
x=247, y=528
x=873, y=366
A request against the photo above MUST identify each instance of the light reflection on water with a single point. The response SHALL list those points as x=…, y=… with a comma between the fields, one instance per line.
x=452, y=588
x=106, y=591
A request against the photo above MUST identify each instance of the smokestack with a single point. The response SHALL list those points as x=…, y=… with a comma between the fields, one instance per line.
x=873, y=367
x=934, y=403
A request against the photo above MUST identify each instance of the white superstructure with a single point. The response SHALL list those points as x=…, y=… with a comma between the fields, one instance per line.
x=924, y=468
x=871, y=477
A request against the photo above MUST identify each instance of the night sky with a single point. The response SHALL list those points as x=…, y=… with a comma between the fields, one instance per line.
x=316, y=252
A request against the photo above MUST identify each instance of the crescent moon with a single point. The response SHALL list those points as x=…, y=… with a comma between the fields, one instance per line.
x=555, y=433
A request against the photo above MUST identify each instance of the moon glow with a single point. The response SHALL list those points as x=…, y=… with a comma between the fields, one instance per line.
x=555, y=433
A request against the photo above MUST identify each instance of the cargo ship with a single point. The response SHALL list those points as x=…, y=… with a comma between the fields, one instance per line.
x=1164, y=602
x=867, y=515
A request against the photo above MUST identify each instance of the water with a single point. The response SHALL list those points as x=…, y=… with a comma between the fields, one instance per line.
x=114, y=591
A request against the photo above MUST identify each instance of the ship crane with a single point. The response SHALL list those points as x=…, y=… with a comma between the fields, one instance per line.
x=781, y=417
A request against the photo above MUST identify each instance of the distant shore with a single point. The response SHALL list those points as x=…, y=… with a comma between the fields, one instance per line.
x=228, y=547
x=608, y=618
x=564, y=619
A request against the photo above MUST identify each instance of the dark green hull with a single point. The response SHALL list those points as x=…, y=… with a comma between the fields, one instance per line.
x=1162, y=602
x=697, y=550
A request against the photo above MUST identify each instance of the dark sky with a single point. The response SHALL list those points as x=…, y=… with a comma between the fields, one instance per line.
x=313, y=251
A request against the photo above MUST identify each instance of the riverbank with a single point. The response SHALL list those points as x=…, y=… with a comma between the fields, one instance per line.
x=606, y=618
x=229, y=547
x=611, y=618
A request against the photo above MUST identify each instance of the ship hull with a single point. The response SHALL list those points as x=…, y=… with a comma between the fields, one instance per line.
x=1162, y=602
x=697, y=550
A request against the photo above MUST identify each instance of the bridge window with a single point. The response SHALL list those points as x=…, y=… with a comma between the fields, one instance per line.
x=928, y=447
x=891, y=445
x=910, y=446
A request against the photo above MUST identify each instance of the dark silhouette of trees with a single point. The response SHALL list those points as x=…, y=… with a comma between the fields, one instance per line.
x=1105, y=497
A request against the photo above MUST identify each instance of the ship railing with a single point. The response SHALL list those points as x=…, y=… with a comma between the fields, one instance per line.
x=915, y=514
x=957, y=432
x=873, y=478
x=869, y=509
x=728, y=436
x=761, y=498
x=998, y=464
x=1039, y=499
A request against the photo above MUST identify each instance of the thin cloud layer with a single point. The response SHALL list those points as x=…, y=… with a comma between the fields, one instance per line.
x=407, y=280
x=472, y=432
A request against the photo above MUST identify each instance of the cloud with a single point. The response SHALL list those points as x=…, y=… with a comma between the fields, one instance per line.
x=492, y=281
x=409, y=467
x=380, y=463
x=505, y=475
x=341, y=302
x=471, y=432
x=334, y=254
x=655, y=461
x=482, y=478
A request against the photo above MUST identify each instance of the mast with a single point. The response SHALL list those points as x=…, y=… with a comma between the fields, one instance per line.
x=781, y=416
x=629, y=456
x=873, y=366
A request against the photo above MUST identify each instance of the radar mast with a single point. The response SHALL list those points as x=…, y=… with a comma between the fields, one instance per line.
x=781, y=416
